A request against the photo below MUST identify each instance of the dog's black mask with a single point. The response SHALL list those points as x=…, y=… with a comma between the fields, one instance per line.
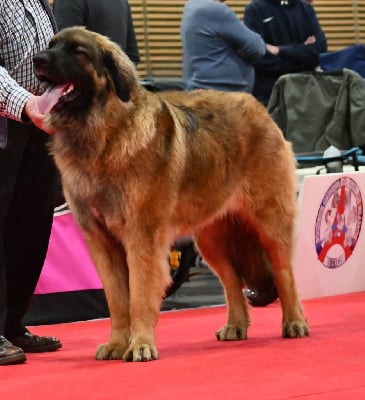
x=70, y=71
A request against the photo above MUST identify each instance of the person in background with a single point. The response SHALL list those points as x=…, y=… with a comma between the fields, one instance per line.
x=27, y=175
x=218, y=49
x=111, y=18
x=294, y=40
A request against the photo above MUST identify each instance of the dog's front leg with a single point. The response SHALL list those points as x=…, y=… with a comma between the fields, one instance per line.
x=115, y=283
x=148, y=278
x=110, y=261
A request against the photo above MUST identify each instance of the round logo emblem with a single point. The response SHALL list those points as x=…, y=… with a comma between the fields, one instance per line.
x=338, y=222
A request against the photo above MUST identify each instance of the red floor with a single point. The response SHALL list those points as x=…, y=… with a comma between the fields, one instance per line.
x=329, y=364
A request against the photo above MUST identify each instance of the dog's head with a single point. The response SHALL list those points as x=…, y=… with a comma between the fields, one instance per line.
x=81, y=67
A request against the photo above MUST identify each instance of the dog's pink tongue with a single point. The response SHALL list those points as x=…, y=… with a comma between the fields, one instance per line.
x=50, y=98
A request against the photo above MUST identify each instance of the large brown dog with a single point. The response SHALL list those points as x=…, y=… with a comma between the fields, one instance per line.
x=140, y=169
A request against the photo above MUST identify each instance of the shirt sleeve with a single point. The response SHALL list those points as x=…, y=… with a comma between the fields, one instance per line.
x=307, y=54
x=250, y=43
x=12, y=96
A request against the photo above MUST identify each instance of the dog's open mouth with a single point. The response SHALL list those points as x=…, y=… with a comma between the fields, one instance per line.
x=54, y=95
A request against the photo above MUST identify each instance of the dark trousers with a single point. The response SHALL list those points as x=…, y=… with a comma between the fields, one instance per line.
x=27, y=187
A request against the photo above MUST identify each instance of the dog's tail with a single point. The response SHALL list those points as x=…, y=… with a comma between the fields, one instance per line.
x=252, y=263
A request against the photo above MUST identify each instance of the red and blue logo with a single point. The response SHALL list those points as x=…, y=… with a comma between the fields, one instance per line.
x=338, y=222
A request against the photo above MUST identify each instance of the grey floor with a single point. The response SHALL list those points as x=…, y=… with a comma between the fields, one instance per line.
x=201, y=290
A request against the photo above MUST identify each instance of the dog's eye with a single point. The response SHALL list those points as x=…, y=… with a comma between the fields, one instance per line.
x=77, y=49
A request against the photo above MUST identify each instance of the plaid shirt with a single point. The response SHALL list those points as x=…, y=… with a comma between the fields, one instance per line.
x=25, y=28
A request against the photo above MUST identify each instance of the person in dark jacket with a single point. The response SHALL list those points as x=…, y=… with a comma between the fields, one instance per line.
x=294, y=40
x=111, y=18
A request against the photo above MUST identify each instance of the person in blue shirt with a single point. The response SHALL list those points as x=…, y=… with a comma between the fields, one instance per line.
x=218, y=49
x=294, y=40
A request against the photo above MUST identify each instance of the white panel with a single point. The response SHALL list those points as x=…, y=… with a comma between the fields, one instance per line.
x=329, y=254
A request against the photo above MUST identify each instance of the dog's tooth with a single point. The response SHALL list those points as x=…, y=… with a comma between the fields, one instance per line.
x=68, y=90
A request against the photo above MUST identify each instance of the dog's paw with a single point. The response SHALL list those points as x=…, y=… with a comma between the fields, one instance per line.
x=231, y=332
x=295, y=329
x=110, y=352
x=140, y=352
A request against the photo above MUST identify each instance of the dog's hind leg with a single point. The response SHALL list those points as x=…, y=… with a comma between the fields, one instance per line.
x=274, y=222
x=214, y=244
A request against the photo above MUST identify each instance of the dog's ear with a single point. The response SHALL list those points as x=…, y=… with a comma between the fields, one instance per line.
x=119, y=82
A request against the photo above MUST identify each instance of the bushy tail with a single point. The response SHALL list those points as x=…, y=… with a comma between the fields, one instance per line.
x=252, y=263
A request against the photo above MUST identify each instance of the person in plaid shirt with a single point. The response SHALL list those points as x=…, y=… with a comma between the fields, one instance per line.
x=27, y=174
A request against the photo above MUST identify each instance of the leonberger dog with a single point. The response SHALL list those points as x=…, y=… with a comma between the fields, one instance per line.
x=139, y=169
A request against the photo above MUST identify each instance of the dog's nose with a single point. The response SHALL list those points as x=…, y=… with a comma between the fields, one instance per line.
x=41, y=58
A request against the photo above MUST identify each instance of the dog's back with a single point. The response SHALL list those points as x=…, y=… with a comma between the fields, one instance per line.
x=235, y=156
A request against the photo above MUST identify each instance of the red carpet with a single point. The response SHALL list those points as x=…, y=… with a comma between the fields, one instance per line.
x=329, y=364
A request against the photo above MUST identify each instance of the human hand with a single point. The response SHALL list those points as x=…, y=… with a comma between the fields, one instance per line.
x=310, y=40
x=274, y=50
x=32, y=112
